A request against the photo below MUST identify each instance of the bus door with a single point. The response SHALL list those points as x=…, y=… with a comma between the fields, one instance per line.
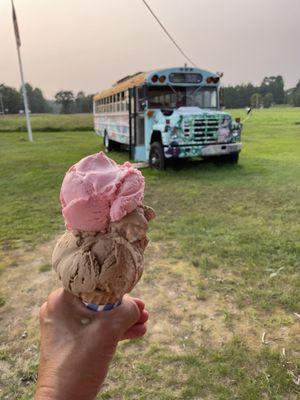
x=136, y=124
x=132, y=121
x=141, y=103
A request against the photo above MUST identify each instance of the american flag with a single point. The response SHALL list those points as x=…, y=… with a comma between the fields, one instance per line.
x=17, y=34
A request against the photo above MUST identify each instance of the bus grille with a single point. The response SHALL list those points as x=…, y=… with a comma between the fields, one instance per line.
x=201, y=130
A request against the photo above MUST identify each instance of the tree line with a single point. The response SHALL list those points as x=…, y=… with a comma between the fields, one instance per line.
x=65, y=102
x=270, y=92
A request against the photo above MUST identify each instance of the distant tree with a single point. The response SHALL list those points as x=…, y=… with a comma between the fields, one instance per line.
x=268, y=100
x=37, y=102
x=238, y=96
x=53, y=106
x=66, y=99
x=11, y=99
x=84, y=104
x=256, y=100
x=40, y=103
x=296, y=97
x=293, y=95
x=274, y=85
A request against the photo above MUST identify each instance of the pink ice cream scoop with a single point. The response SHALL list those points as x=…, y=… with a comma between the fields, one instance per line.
x=97, y=191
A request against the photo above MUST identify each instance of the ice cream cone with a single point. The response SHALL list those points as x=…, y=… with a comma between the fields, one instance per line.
x=99, y=299
x=100, y=257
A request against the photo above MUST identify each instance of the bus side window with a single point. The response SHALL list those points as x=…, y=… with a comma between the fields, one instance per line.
x=118, y=102
x=123, y=106
x=127, y=100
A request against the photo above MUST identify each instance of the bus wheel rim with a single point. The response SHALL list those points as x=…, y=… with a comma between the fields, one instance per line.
x=155, y=159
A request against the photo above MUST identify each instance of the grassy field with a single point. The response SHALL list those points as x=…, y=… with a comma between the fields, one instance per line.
x=47, y=123
x=222, y=271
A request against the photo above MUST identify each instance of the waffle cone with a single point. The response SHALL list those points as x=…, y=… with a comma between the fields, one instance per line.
x=100, y=298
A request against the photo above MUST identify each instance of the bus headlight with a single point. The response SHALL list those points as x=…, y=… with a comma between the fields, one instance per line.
x=174, y=132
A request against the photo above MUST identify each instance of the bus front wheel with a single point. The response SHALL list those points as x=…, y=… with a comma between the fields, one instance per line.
x=232, y=158
x=156, y=157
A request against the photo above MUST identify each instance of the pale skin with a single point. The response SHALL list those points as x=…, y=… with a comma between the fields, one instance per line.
x=77, y=344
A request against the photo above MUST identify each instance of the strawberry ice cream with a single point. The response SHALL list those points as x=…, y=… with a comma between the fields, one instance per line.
x=96, y=191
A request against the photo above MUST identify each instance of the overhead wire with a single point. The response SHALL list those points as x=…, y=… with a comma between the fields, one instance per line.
x=169, y=35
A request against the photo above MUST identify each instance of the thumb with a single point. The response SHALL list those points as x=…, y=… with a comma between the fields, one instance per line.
x=128, y=313
x=121, y=318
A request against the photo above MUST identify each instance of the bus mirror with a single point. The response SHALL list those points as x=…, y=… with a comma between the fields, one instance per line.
x=144, y=104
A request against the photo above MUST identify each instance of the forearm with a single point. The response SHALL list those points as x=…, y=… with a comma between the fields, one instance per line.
x=72, y=382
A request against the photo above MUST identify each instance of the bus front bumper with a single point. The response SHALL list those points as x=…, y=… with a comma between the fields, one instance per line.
x=220, y=149
x=198, y=150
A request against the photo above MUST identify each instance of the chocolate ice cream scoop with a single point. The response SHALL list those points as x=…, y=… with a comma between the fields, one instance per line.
x=101, y=267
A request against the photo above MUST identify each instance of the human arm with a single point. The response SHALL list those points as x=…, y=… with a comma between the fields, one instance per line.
x=77, y=344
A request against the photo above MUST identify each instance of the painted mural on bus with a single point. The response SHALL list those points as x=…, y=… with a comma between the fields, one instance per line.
x=168, y=114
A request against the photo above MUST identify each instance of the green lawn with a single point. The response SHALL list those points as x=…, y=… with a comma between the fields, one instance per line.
x=47, y=122
x=234, y=228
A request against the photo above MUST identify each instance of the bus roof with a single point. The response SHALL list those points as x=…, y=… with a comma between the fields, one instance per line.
x=146, y=77
x=131, y=81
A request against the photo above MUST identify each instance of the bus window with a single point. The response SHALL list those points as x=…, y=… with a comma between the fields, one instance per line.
x=118, y=102
x=181, y=96
x=126, y=101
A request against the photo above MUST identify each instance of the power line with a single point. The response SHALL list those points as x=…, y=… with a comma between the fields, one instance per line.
x=168, y=34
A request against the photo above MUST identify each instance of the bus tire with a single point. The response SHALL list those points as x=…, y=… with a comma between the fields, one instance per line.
x=231, y=158
x=107, y=143
x=156, y=157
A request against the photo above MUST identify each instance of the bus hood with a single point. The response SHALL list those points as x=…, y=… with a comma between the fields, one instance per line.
x=197, y=111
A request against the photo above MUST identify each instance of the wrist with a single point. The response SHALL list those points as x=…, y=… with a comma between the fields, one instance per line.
x=55, y=390
x=74, y=374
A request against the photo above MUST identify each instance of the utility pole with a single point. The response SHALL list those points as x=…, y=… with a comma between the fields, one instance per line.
x=18, y=43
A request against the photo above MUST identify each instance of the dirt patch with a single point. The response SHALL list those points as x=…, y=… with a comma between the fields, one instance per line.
x=180, y=319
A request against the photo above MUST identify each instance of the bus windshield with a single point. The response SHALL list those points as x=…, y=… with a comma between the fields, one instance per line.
x=175, y=97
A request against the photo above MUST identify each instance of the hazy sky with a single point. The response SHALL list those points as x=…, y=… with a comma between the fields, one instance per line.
x=89, y=44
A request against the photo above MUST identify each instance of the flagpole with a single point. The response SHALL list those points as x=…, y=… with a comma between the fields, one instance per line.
x=25, y=98
x=18, y=43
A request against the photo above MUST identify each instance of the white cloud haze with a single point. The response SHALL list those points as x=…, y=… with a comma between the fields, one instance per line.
x=89, y=44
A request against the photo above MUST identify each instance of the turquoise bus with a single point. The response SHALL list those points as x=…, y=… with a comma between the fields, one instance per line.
x=167, y=114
